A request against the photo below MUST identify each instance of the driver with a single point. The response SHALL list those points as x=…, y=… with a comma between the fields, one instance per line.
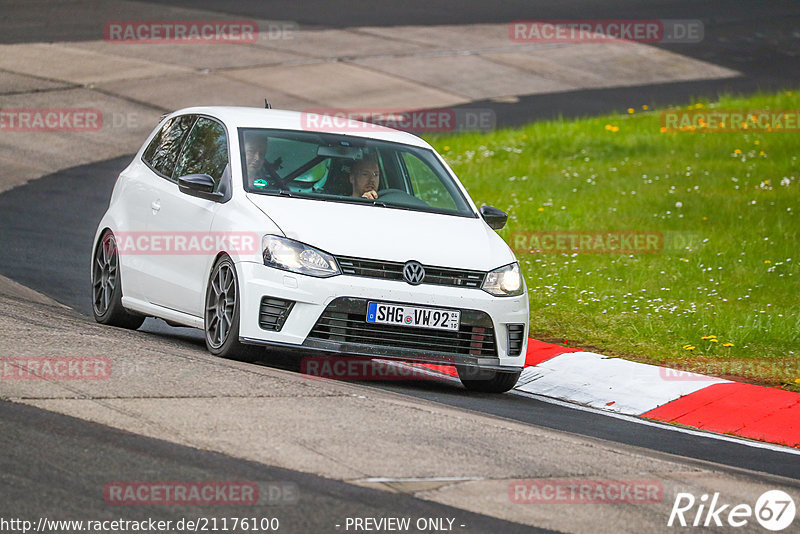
x=259, y=170
x=364, y=178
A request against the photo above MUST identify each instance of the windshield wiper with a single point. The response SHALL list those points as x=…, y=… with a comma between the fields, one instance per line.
x=300, y=194
x=324, y=198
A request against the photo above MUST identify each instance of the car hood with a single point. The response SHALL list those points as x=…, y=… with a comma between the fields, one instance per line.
x=367, y=231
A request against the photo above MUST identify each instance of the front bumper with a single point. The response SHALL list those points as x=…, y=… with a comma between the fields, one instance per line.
x=318, y=303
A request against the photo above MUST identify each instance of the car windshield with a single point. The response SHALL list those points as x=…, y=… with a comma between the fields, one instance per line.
x=340, y=168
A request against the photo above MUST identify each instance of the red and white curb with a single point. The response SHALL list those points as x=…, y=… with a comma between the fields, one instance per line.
x=659, y=393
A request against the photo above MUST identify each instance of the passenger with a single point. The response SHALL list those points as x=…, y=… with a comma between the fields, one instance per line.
x=365, y=177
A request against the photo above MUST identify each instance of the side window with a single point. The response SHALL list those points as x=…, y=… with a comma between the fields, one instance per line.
x=426, y=184
x=163, y=149
x=205, y=151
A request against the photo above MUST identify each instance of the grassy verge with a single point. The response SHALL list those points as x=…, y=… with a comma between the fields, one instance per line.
x=721, y=297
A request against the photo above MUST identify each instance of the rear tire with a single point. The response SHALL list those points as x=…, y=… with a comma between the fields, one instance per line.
x=221, y=315
x=487, y=381
x=107, y=287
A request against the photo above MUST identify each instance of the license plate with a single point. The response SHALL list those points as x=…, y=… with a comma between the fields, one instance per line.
x=402, y=315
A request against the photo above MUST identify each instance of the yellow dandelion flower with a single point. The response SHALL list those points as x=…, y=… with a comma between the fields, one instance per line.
x=714, y=340
x=705, y=218
x=663, y=129
x=645, y=107
x=446, y=147
x=630, y=110
x=757, y=142
x=541, y=209
x=688, y=347
x=608, y=126
x=761, y=153
x=729, y=344
x=797, y=380
x=767, y=261
x=737, y=151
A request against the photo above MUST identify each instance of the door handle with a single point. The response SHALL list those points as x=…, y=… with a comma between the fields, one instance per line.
x=155, y=206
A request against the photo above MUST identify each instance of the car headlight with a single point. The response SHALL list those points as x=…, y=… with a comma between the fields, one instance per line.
x=296, y=257
x=504, y=281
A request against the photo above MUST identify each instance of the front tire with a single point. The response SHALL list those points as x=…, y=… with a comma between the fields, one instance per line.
x=107, y=287
x=221, y=316
x=487, y=381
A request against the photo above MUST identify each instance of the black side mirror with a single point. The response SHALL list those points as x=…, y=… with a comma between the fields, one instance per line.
x=200, y=186
x=494, y=217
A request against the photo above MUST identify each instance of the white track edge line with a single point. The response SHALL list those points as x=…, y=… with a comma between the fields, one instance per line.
x=649, y=422
x=642, y=421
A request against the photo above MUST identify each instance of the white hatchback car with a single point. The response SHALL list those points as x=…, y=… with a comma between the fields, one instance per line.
x=261, y=228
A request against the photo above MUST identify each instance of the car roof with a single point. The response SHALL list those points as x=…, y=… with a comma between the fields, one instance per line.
x=247, y=117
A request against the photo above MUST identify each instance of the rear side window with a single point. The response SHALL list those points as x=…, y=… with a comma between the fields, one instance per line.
x=205, y=151
x=162, y=151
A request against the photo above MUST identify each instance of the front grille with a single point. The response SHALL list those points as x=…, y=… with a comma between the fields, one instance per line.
x=392, y=270
x=515, y=333
x=344, y=321
x=273, y=313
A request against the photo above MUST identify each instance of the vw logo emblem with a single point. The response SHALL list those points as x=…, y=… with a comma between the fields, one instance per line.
x=413, y=273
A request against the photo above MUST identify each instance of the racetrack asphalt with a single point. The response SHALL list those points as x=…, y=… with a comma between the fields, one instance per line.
x=757, y=39
x=66, y=480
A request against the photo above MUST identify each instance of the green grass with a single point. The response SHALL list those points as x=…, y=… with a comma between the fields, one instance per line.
x=727, y=203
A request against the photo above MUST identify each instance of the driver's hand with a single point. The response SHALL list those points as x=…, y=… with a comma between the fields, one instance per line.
x=371, y=194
